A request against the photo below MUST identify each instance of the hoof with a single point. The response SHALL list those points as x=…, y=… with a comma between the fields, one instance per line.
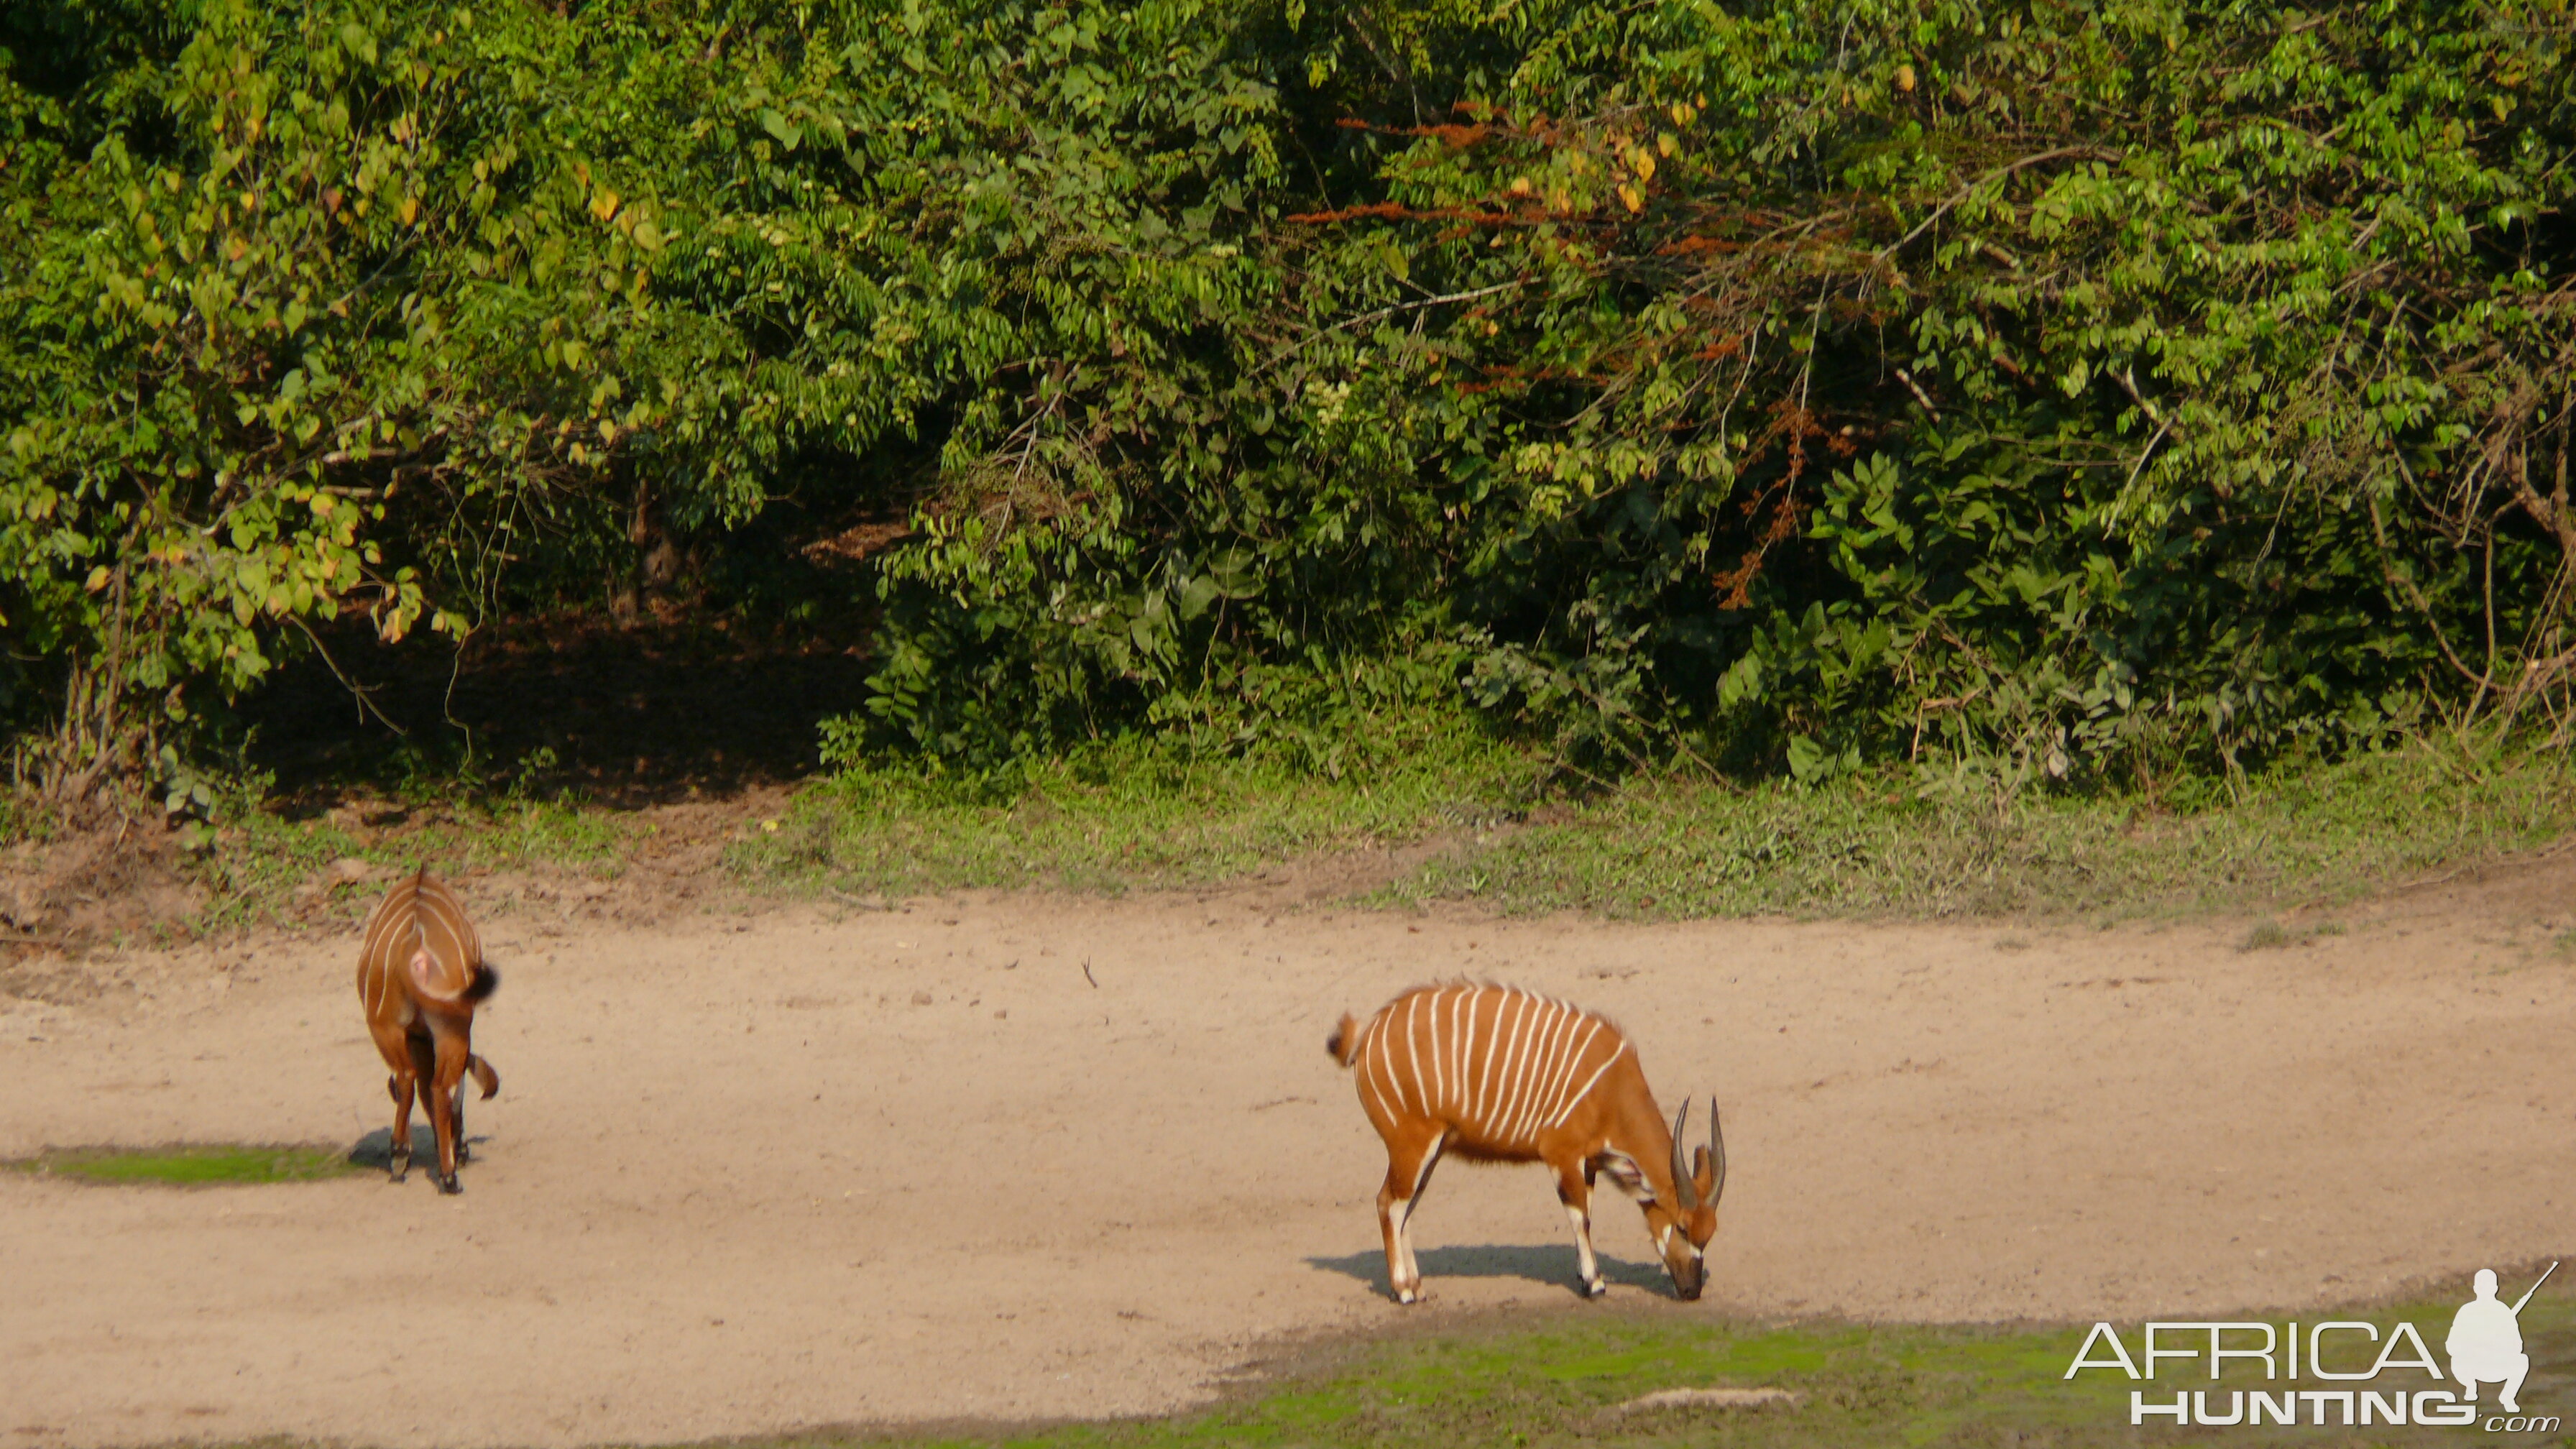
x=448, y=1184
x=1407, y=1295
x=1594, y=1288
x=398, y=1172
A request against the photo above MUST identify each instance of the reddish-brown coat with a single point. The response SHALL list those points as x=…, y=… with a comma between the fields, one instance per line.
x=421, y=973
x=1497, y=1074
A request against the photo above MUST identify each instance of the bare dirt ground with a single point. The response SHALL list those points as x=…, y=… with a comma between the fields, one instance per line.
x=1022, y=1156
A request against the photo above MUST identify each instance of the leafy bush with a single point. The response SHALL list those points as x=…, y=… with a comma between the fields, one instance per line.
x=1811, y=384
x=303, y=322
x=1792, y=386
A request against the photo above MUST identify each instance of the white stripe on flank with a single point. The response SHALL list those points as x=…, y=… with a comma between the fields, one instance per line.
x=1543, y=1071
x=1438, y=1055
x=1565, y=1080
x=1467, y=1055
x=1563, y=1069
x=1394, y=1076
x=1566, y=1089
x=416, y=917
x=1503, y=1065
x=1486, y=1039
x=1461, y=1037
x=1381, y=1067
x=1429, y=1050
x=1543, y=1081
x=1534, y=1072
x=1494, y=1040
x=1579, y=1032
x=1552, y=1080
x=1515, y=1084
x=450, y=963
x=1469, y=1001
x=1413, y=1053
x=1387, y=1077
x=1389, y=1088
x=1515, y=1068
x=1577, y=1099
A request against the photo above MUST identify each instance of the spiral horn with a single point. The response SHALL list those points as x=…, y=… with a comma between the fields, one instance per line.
x=1716, y=1155
x=1684, y=1190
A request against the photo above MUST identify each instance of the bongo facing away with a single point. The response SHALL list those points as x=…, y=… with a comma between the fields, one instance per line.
x=421, y=973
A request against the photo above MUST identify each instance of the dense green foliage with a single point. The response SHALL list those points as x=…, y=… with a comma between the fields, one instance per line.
x=2115, y=390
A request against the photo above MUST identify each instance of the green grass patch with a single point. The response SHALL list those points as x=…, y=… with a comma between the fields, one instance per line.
x=1564, y=1383
x=2266, y=936
x=1894, y=842
x=259, y=863
x=1491, y=823
x=198, y=1165
x=1928, y=845
x=1132, y=815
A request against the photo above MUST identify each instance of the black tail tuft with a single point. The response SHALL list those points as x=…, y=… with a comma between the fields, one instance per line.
x=485, y=982
x=1344, y=1043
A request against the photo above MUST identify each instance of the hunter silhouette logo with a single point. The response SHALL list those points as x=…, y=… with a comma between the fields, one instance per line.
x=2486, y=1342
x=2362, y=1376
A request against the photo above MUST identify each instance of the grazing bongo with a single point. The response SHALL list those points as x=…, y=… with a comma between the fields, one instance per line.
x=421, y=973
x=1498, y=1074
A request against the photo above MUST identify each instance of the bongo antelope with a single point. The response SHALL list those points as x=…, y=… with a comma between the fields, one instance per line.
x=1498, y=1074
x=421, y=973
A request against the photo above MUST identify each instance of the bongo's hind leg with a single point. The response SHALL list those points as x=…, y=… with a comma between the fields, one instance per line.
x=1408, y=1169
x=395, y=1047
x=446, y=1090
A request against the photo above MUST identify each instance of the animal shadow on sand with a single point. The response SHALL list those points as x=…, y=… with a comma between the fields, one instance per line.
x=376, y=1149
x=1553, y=1263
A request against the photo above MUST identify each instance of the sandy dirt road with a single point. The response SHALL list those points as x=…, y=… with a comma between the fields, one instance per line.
x=799, y=1168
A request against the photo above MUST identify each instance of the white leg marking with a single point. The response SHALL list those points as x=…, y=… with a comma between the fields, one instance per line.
x=1583, y=1247
x=1404, y=1210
